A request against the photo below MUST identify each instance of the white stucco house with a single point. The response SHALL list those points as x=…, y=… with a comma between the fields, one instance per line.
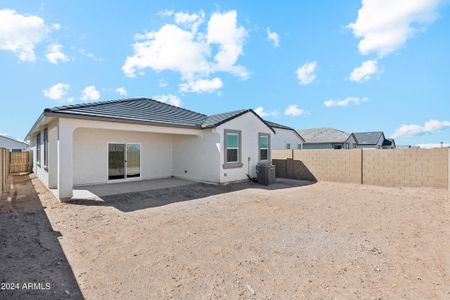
x=12, y=144
x=285, y=137
x=141, y=139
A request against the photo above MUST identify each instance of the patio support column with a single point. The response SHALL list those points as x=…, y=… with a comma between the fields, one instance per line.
x=65, y=160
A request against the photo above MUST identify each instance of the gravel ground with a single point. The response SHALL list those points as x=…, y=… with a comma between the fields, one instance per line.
x=318, y=241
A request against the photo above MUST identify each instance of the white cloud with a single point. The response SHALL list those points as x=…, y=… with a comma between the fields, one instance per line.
x=365, y=71
x=294, y=111
x=182, y=48
x=57, y=92
x=90, y=55
x=190, y=21
x=170, y=48
x=262, y=113
x=54, y=54
x=71, y=99
x=169, y=98
x=411, y=130
x=121, y=91
x=90, y=93
x=346, y=101
x=201, y=85
x=21, y=33
x=273, y=37
x=306, y=74
x=383, y=26
x=224, y=31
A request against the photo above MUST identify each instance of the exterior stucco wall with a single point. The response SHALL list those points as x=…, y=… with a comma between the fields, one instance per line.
x=283, y=137
x=90, y=154
x=197, y=157
x=46, y=175
x=250, y=126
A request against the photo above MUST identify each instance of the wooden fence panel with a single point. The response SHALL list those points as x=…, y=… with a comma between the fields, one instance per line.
x=4, y=170
x=19, y=162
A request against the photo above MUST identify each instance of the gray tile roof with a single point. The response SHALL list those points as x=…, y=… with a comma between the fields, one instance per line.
x=137, y=109
x=276, y=125
x=214, y=120
x=148, y=111
x=368, y=138
x=324, y=135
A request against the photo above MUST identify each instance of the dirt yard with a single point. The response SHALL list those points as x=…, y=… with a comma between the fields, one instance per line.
x=319, y=241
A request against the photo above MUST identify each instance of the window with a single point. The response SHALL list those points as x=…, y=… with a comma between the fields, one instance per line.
x=299, y=146
x=38, y=149
x=264, y=145
x=45, y=147
x=232, y=145
x=337, y=147
x=288, y=146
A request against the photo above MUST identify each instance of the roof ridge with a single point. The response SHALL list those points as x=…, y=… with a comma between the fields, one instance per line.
x=229, y=112
x=83, y=105
x=96, y=103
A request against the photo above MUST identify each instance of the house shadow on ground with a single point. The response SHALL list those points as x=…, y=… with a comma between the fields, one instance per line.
x=32, y=263
x=128, y=202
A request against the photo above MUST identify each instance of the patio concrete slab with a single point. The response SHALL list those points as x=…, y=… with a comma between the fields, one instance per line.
x=100, y=190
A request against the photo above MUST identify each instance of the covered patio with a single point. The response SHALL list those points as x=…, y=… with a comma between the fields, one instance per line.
x=96, y=192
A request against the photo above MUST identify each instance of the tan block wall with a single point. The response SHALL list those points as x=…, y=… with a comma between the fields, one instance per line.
x=393, y=167
x=281, y=154
x=331, y=165
x=406, y=167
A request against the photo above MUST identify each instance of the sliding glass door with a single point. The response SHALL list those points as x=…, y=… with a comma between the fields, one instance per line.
x=133, y=160
x=124, y=161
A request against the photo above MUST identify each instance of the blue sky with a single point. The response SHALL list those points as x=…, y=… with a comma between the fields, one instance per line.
x=357, y=66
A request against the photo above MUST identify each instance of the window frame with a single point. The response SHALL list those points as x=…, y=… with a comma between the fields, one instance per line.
x=233, y=164
x=45, y=135
x=288, y=146
x=38, y=149
x=260, y=134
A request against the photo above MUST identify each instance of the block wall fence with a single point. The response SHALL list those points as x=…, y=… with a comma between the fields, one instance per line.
x=387, y=167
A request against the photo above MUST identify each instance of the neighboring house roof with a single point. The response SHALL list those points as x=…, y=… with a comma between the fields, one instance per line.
x=276, y=125
x=324, y=135
x=144, y=110
x=368, y=138
x=388, y=142
x=11, y=141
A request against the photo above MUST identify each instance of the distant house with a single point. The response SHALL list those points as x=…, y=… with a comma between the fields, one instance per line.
x=141, y=139
x=373, y=140
x=389, y=144
x=327, y=138
x=12, y=144
x=285, y=137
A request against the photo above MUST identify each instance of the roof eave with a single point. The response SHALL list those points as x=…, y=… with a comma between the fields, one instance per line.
x=115, y=119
